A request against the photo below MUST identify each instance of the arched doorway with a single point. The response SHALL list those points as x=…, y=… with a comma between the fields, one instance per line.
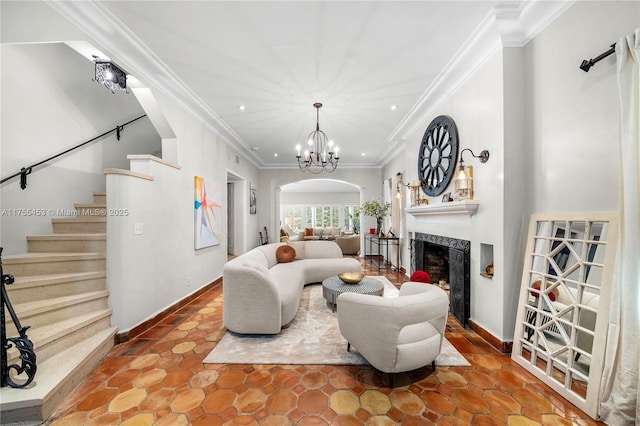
x=319, y=203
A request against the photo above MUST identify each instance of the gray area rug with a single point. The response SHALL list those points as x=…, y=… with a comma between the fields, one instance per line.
x=313, y=337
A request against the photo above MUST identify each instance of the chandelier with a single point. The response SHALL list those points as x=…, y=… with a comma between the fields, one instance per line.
x=320, y=155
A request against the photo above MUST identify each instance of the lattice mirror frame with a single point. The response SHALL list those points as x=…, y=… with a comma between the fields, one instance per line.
x=561, y=325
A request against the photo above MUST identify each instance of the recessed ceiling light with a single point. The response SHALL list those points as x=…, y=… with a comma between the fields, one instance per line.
x=275, y=155
x=394, y=107
x=254, y=148
x=242, y=107
x=363, y=154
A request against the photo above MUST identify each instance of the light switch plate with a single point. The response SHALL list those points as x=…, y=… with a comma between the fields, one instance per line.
x=138, y=228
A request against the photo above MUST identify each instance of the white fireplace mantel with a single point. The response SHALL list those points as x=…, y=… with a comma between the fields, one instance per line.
x=464, y=207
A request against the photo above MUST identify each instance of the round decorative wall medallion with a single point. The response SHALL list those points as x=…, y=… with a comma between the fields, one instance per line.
x=437, y=155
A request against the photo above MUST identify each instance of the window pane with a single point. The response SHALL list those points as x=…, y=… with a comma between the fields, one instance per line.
x=309, y=218
x=292, y=217
x=326, y=216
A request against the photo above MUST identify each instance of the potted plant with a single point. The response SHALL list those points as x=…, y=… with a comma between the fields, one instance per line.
x=376, y=209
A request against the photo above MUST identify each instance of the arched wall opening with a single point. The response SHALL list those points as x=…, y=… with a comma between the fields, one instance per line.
x=319, y=203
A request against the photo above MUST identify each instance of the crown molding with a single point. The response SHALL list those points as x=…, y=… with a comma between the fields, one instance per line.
x=391, y=152
x=508, y=25
x=129, y=52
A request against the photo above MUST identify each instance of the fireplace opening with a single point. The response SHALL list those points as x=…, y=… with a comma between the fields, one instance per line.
x=436, y=263
x=446, y=259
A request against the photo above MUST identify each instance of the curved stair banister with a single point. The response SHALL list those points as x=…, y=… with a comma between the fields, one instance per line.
x=25, y=171
x=22, y=343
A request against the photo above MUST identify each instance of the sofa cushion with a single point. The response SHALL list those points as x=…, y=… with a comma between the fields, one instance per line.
x=258, y=267
x=299, y=248
x=322, y=250
x=288, y=281
x=318, y=270
x=269, y=251
x=285, y=253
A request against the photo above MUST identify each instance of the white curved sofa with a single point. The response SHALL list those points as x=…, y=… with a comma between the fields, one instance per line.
x=260, y=295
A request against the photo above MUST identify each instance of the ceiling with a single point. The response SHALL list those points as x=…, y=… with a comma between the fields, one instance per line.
x=319, y=185
x=276, y=59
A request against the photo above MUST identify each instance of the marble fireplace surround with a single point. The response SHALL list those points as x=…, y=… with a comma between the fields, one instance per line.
x=459, y=269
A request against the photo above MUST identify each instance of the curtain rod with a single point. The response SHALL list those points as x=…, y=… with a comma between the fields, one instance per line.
x=591, y=62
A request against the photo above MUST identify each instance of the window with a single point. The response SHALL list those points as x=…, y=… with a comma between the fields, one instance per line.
x=299, y=217
x=293, y=217
x=351, y=219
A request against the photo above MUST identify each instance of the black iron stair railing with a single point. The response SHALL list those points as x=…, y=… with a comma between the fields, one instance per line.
x=22, y=343
x=25, y=171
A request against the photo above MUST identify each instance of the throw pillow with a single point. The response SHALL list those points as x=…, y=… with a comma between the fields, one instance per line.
x=420, y=277
x=285, y=254
x=308, y=232
x=299, y=247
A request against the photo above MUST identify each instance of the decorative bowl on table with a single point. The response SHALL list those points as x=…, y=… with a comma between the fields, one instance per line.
x=351, y=277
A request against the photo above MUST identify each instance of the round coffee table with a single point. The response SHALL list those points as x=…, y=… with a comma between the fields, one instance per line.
x=334, y=286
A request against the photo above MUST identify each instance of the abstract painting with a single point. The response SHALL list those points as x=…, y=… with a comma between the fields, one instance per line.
x=208, y=213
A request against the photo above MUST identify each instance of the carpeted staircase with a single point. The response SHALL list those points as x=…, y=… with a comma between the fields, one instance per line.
x=60, y=292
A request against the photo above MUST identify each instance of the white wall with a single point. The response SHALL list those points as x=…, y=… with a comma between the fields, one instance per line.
x=551, y=131
x=150, y=272
x=249, y=175
x=47, y=108
x=320, y=197
x=369, y=180
x=406, y=160
x=50, y=103
x=515, y=215
x=477, y=109
x=572, y=116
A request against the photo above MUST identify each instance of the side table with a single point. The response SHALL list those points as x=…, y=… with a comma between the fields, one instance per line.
x=381, y=243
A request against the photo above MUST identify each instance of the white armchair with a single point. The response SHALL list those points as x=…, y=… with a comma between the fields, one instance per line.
x=396, y=334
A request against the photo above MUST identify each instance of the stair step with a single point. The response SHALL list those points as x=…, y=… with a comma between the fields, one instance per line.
x=68, y=243
x=38, y=313
x=51, y=339
x=36, y=287
x=100, y=197
x=60, y=293
x=91, y=209
x=53, y=263
x=85, y=224
x=55, y=379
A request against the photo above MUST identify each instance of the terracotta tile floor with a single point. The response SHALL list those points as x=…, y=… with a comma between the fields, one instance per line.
x=158, y=379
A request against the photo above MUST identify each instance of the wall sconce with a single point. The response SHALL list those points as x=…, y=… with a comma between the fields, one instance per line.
x=108, y=74
x=464, y=177
x=413, y=185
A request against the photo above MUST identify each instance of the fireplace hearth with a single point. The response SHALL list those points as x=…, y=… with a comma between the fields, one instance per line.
x=446, y=259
